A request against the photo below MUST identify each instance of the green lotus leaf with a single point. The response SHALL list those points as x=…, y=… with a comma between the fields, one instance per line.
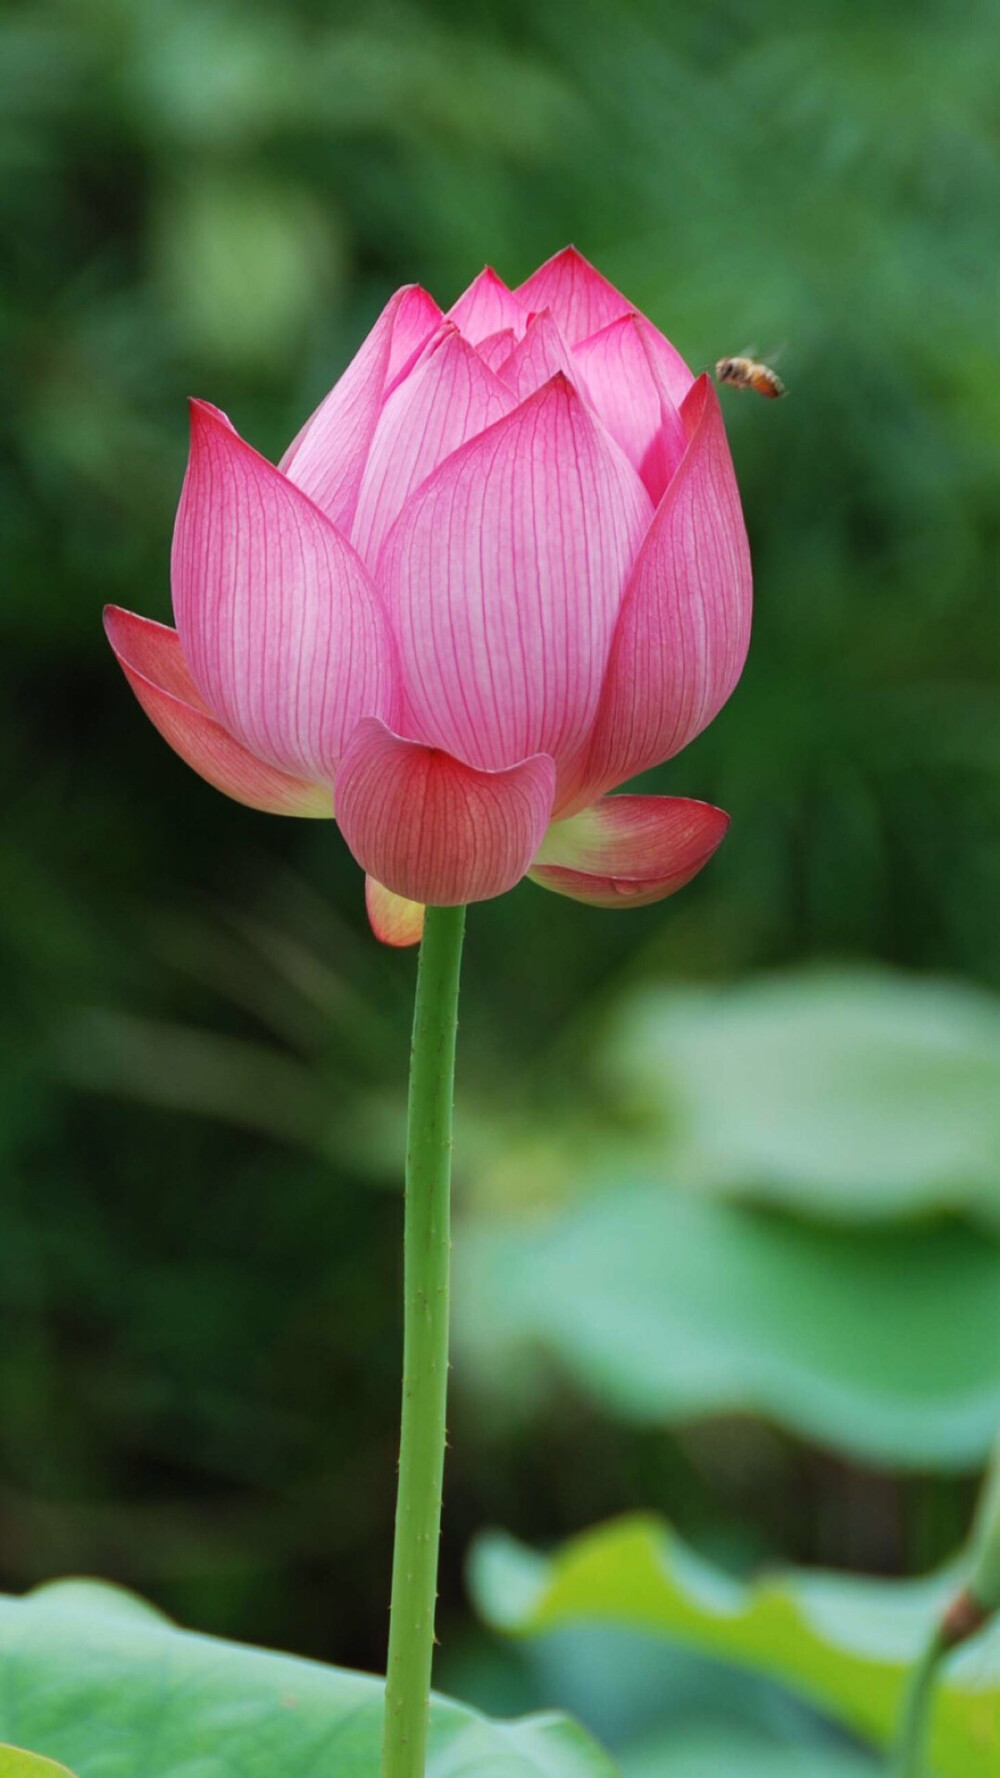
x=16, y=1763
x=661, y=1306
x=843, y=1643
x=855, y=1093
x=115, y=1691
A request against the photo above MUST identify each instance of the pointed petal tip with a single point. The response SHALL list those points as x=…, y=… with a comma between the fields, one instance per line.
x=558, y=387
x=570, y=254
x=487, y=305
x=450, y=397
x=415, y=290
x=152, y=651
x=206, y=421
x=580, y=297
x=278, y=618
x=326, y=458
x=201, y=410
x=701, y=396
x=445, y=330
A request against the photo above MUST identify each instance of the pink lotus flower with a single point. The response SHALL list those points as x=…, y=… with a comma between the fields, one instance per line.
x=501, y=570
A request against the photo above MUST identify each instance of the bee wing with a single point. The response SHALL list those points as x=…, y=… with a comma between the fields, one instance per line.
x=766, y=358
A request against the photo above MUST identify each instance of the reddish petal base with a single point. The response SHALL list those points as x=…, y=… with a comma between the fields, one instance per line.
x=432, y=829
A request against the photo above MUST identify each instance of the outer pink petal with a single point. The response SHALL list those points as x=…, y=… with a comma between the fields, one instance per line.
x=622, y=371
x=496, y=348
x=279, y=622
x=538, y=357
x=150, y=656
x=393, y=919
x=434, y=830
x=487, y=306
x=684, y=628
x=449, y=397
x=675, y=375
x=580, y=299
x=328, y=456
x=671, y=373
x=503, y=576
x=628, y=851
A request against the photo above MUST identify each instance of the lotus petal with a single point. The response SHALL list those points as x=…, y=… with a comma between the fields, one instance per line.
x=278, y=619
x=537, y=357
x=448, y=398
x=503, y=577
x=684, y=628
x=487, y=306
x=327, y=457
x=622, y=371
x=580, y=299
x=628, y=851
x=434, y=830
x=150, y=656
x=393, y=919
x=496, y=348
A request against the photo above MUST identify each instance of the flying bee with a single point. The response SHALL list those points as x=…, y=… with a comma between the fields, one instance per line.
x=746, y=373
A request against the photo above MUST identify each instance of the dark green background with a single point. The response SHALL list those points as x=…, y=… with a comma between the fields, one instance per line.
x=199, y=1231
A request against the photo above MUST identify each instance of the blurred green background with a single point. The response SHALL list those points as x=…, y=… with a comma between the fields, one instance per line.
x=204, y=1049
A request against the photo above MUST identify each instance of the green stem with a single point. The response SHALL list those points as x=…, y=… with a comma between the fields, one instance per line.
x=911, y=1744
x=425, y=1345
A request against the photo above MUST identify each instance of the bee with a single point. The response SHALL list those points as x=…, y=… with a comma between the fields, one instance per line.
x=746, y=373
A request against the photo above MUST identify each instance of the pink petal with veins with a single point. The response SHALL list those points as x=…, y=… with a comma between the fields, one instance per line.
x=150, y=656
x=628, y=851
x=392, y=918
x=671, y=374
x=327, y=457
x=580, y=299
x=674, y=374
x=622, y=370
x=538, y=357
x=487, y=306
x=279, y=622
x=449, y=397
x=503, y=577
x=496, y=348
x=682, y=636
x=434, y=830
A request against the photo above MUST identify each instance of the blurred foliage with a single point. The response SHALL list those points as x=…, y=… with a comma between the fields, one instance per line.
x=709, y=1754
x=884, y=1345
x=858, y=1093
x=203, y=1048
x=845, y=1643
x=15, y=1763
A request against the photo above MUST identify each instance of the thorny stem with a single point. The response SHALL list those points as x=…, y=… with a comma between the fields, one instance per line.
x=427, y=1246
